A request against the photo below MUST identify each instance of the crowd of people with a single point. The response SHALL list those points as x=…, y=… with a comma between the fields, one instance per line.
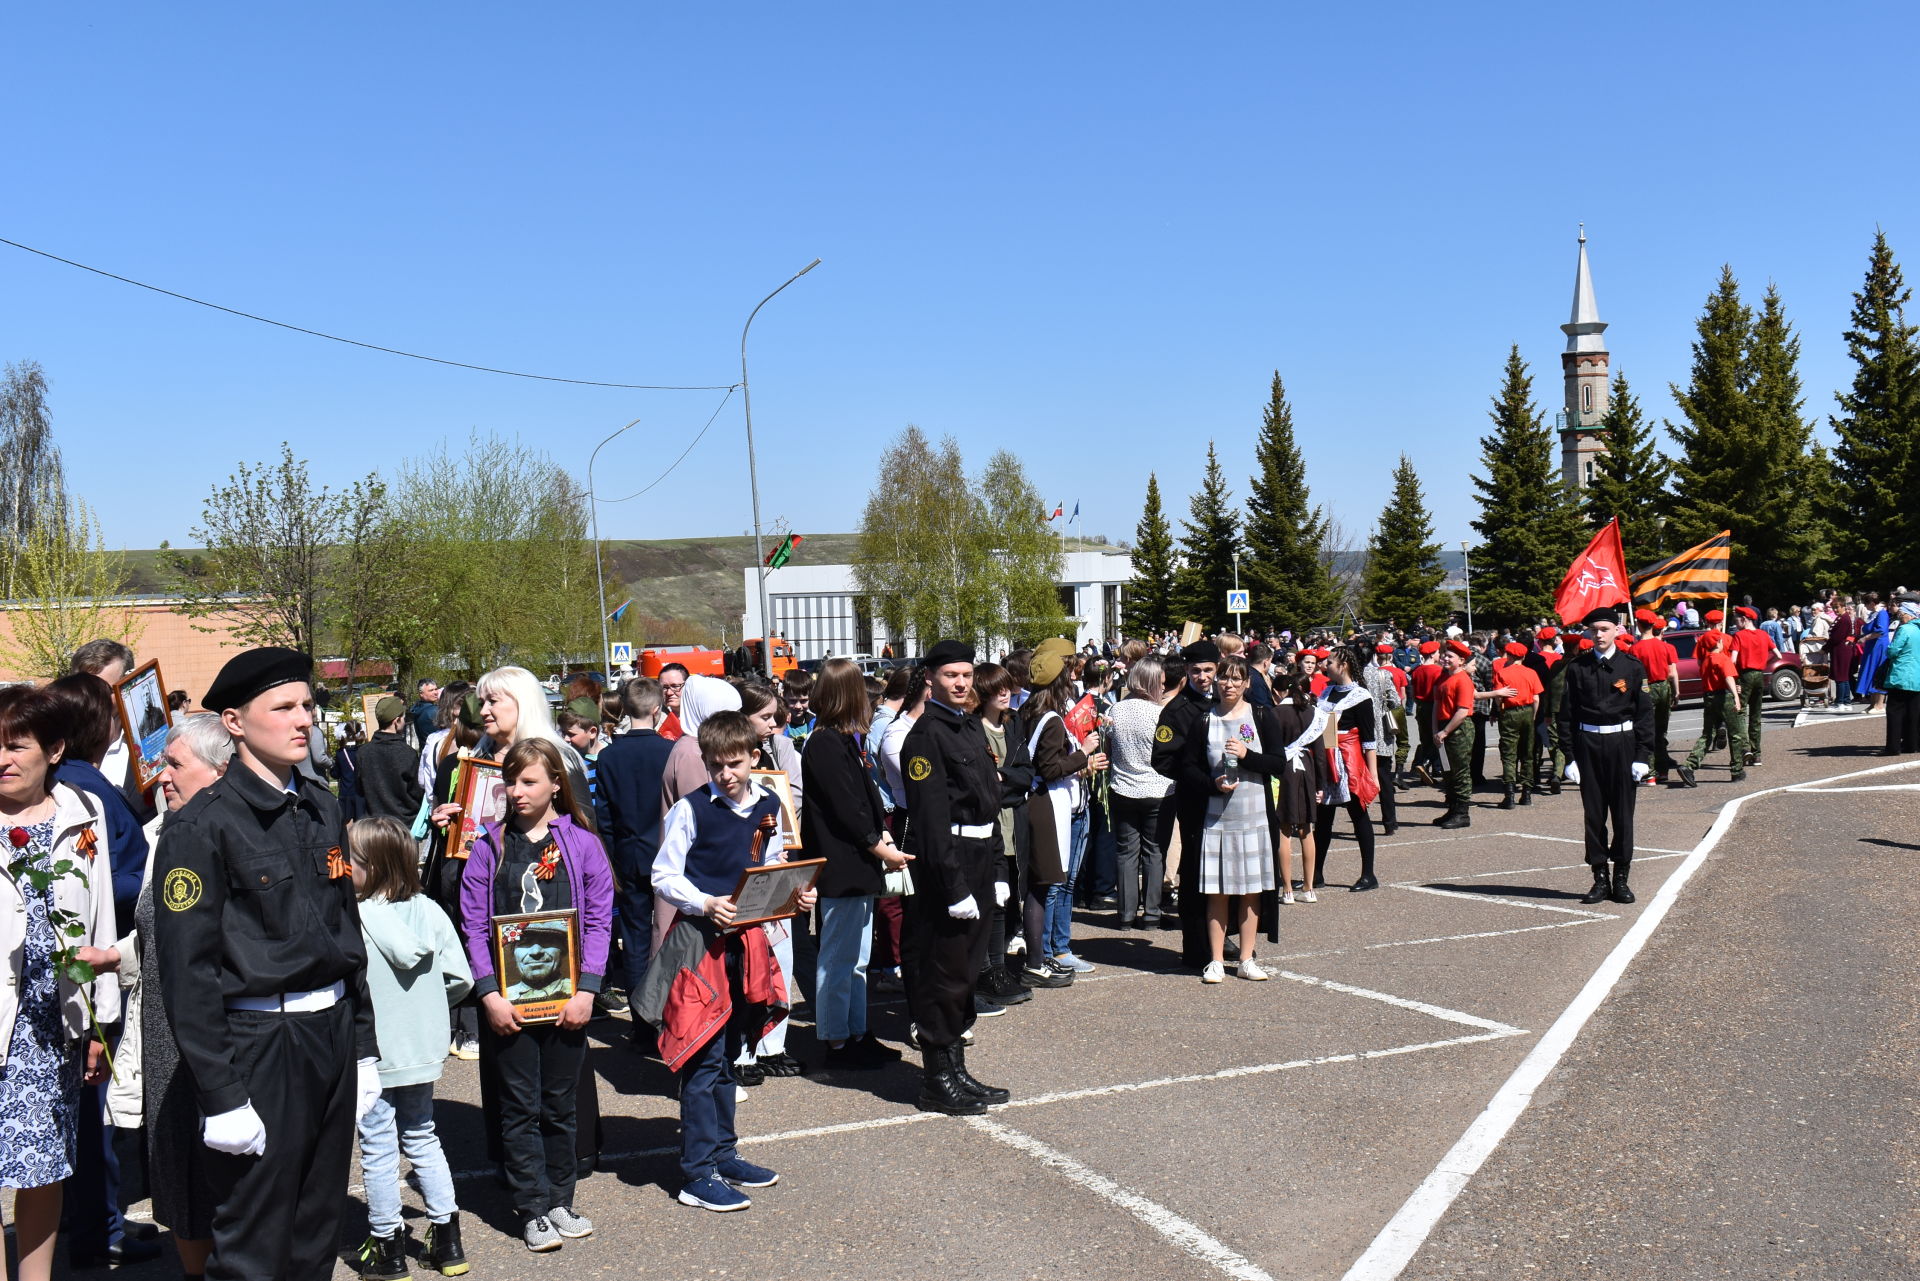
x=275, y=951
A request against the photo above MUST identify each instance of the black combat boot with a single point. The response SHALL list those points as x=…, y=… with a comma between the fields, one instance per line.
x=1621, y=894
x=443, y=1253
x=1602, y=887
x=941, y=1090
x=985, y=1093
x=382, y=1258
x=1526, y=796
x=1506, y=802
x=1459, y=815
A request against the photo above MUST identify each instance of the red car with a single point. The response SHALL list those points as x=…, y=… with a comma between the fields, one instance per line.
x=1785, y=679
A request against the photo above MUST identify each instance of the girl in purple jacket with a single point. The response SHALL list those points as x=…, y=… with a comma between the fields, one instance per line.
x=544, y=858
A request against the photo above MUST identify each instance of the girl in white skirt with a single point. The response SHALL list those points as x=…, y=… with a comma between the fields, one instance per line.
x=1242, y=745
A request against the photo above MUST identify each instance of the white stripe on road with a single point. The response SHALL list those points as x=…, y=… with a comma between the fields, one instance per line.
x=1884, y=787
x=1509, y=902
x=1435, y=1011
x=1181, y=1232
x=1407, y=1231
x=1575, y=840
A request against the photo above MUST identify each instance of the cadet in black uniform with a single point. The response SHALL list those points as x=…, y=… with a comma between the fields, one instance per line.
x=953, y=832
x=1192, y=789
x=264, y=977
x=1606, y=720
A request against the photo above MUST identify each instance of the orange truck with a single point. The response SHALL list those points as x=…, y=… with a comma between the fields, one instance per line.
x=716, y=662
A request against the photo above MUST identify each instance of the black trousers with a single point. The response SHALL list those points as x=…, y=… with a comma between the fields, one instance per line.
x=1607, y=796
x=1389, y=812
x=279, y=1214
x=537, y=1072
x=1903, y=720
x=944, y=955
x=1194, y=948
x=1141, y=826
x=1362, y=833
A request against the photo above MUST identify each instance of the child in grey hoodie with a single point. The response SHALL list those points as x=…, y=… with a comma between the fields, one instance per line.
x=416, y=969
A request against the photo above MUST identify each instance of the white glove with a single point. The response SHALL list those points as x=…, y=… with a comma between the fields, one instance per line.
x=965, y=910
x=1640, y=772
x=369, y=1087
x=237, y=1133
x=1573, y=772
x=1001, y=891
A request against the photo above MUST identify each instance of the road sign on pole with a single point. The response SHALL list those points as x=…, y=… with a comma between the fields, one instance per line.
x=620, y=654
x=1238, y=604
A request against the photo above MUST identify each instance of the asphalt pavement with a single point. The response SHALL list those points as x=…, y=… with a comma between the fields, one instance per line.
x=1163, y=1129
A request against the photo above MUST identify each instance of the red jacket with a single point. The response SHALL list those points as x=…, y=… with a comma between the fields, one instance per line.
x=700, y=1001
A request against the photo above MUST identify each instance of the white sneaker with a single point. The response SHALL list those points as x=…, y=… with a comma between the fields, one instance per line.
x=1308, y=896
x=1214, y=973
x=1250, y=969
x=1287, y=898
x=741, y=1094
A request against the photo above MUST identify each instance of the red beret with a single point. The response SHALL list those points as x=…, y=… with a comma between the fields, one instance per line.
x=1708, y=643
x=1714, y=616
x=1548, y=633
x=1516, y=649
x=1659, y=623
x=1646, y=615
x=1460, y=647
x=1429, y=647
x=1586, y=642
x=1746, y=612
x=1383, y=647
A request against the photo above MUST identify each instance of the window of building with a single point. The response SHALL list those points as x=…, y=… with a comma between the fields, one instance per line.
x=1070, y=600
x=1586, y=399
x=1110, y=610
x=1587, y=472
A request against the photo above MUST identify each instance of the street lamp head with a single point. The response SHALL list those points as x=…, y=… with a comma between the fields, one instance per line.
x=809, y=267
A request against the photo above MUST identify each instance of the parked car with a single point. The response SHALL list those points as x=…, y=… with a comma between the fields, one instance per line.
x=1786, y=680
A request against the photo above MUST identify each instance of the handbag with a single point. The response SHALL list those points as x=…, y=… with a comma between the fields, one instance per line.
x=897, y=883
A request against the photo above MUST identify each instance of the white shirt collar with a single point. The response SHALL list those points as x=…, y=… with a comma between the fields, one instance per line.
x=754, y=794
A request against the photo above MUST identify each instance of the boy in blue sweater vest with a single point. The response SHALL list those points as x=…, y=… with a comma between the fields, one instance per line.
x=710, y=837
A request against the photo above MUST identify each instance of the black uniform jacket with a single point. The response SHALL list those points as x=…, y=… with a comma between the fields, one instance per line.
x=951, y=779
x=1607, y=692
x=1180, y=720
x=252, y=897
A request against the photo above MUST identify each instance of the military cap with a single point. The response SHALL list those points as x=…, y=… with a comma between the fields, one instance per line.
x=1201, y=651
x=251, y=674
x=1044, y=668
x=1604, y=614
x=388, y=708
x=949, y=651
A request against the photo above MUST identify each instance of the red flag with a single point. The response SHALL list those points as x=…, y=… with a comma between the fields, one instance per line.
x=1596, y=579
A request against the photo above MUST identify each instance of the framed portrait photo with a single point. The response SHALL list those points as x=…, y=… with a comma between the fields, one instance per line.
x=537, y=957
x=481, y=793
x=777, y=782
x=141, y=700
x=768, y=892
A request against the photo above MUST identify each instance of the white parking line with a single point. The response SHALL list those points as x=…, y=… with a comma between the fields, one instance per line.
x=1396, y=1244
x=1181, y=1232
x=1434, y=1011
x=1885, y=787
x=1575, y=840
x=1509, y=902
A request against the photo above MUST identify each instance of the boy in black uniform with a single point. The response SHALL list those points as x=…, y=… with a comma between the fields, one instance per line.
x=1192, y=789
x=953, y=831
x=264, y=976
x=1606, y=722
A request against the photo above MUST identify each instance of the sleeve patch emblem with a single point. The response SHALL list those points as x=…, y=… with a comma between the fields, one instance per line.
x=919, y=770
x=180, y=890
x=1164, y=734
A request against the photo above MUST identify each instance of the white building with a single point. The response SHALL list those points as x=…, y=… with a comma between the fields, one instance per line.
x=823, y=612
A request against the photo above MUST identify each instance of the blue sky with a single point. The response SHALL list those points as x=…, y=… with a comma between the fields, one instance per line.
x=1084, y=232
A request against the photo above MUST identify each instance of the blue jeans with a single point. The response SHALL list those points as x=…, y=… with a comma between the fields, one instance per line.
x=401, y=1120
x=840, y=976
x=633, y=923
x=1060, y=897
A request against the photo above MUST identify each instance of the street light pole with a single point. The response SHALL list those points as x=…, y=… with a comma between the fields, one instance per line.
x=1466, y=559
x=753, y=478
x=599, y=574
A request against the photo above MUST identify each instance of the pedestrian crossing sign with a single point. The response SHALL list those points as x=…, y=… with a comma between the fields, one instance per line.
x=620, y=654
x=1237, y=601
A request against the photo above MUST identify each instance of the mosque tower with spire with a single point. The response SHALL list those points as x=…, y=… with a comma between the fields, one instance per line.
x=1585, y=365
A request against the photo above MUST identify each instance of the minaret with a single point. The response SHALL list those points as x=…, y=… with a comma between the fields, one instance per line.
x=1585, y=363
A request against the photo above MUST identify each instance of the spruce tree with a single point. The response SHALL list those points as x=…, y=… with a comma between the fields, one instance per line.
x=1208, y=542
x=1784, y=534
x=1149, y=606
x=1877, y=459
x=1530, y=526
x=1715, y=469
x=1630, y=478
x=1289, y=583
x=1403, y=574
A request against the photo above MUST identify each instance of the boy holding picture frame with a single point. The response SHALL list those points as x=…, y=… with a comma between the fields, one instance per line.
x=710, y=838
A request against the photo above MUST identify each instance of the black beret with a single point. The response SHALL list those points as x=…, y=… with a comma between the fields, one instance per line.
x=1605, y=614
x=249, y=675
x=1201, y=651
x=948, y=651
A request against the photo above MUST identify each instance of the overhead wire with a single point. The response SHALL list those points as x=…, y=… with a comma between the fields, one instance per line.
x=354, y=342
x=683, y=453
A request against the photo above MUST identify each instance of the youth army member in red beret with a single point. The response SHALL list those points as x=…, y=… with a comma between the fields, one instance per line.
x=1423, y=681
x=1660, y=659
x=1606, y=719
x=1453, y=704
x=264, y=975
x=1518, y=755
x=1753, y=650
x=1553, y=655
